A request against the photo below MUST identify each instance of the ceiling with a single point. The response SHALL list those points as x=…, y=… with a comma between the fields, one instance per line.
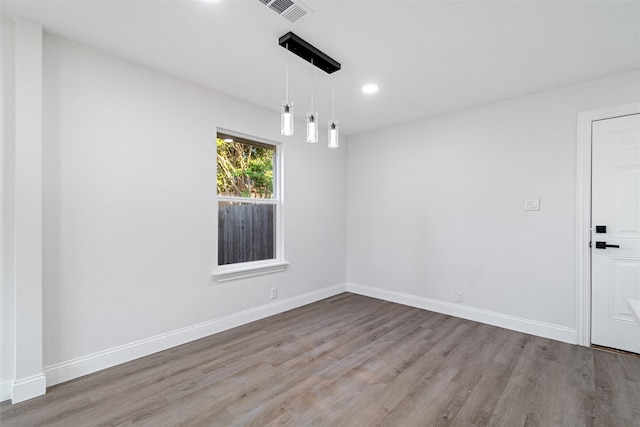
x=428, y=57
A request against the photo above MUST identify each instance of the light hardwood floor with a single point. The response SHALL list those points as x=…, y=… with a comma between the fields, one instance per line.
x=354, y=361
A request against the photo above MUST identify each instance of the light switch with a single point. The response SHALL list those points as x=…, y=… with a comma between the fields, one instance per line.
x=531, y=204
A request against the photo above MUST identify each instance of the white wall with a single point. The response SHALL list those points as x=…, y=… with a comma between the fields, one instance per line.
x=27, y=221
x=21, y=373
x=436, y=206
x=7, y=278
x=129, y=211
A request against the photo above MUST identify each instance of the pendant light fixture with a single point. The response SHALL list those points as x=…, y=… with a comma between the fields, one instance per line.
x=333, y=123
x=309, y=53
x=312, y=116
x=286, y=111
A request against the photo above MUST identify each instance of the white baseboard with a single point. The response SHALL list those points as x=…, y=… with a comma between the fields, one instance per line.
x=5, y=390
x=533, y=327
x=28, y=388
x=76, y=368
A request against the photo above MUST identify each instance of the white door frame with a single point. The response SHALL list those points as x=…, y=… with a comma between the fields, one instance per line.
x=583, y=201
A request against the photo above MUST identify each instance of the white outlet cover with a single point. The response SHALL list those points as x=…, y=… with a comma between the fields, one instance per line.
x=531, y=204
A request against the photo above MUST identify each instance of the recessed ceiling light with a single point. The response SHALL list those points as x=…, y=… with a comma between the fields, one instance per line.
x=228, y=140
x=370, y=88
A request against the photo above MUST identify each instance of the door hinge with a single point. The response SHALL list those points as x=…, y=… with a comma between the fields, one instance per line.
x=589, y=243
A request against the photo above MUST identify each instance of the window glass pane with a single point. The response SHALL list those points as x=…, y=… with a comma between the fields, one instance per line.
x=245, y=168
x=246, y=232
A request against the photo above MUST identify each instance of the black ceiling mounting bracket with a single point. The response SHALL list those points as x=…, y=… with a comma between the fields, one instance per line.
x=309, y=53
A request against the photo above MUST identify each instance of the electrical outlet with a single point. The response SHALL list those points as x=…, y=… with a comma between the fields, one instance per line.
x=531, y=204
x=458, y=296
x=274, y=293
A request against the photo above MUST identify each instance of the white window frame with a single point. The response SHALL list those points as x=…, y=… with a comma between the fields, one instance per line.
x=224, y=273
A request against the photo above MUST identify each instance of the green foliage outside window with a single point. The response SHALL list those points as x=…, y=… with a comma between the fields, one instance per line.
x=244, y=170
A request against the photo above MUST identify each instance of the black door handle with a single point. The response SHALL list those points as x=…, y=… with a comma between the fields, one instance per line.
x=603, y=245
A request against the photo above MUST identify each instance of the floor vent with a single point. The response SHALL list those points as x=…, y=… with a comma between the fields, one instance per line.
x=293, y=11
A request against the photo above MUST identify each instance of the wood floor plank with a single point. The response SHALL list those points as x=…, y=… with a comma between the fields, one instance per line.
x=435, y=387
x=580, y=369
x=479, y=407
x=350, y=360
x=513, y=407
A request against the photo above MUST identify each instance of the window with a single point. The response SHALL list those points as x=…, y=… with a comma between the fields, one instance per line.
x=248, y=203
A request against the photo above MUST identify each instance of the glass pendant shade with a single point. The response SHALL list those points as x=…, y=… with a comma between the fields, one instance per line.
x=312, y=128
x=333, y=134
x=286, y=118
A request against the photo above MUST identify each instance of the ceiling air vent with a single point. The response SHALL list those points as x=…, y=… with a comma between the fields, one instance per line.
x=293, y=11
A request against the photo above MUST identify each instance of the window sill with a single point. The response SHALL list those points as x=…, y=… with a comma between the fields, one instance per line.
x=236, y=273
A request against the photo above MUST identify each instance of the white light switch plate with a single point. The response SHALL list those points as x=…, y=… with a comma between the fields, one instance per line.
x=531, y=204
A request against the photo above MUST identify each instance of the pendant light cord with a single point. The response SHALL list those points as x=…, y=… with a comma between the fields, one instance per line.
x=286, y=73
x=333, y=100
x=313, y=82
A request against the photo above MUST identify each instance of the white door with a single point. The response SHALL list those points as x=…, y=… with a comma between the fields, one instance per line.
x=615, y=232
